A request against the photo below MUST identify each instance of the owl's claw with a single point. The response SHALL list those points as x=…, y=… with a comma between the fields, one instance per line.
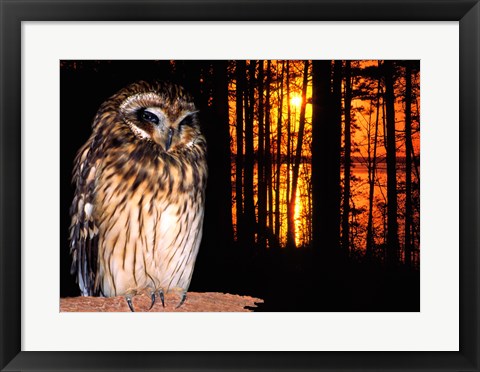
x=182, y=300
x=162, y=297
x=130, y=305
x=153, y=300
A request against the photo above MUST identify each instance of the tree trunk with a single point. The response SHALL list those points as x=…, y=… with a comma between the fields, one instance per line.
x=268, y=155
x=326, y=137
x=297, y=160
x=249, y=206
x=290, y=217
x=262, y=190
x=372, y=169
x=219, y=149
x=279, y=155
x=392, y=224
x=347, y=164
x=408, y=164
x=335, y=150
x=240, y=71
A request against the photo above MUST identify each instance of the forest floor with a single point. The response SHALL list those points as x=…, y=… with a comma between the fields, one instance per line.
x=298, y=280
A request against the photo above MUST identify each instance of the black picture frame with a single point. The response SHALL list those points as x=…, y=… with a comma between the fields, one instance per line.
x=13, y=12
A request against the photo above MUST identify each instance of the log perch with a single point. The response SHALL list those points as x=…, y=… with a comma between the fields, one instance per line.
x=196, y=302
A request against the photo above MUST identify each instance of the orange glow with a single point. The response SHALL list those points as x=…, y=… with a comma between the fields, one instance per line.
x=367, y=116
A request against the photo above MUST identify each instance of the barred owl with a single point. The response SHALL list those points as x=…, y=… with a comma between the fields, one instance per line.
x=137, y=212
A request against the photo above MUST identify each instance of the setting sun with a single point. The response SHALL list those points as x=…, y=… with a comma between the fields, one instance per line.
x=296, y=101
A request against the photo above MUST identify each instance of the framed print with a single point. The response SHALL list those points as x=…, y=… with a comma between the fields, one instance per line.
x=205, y=185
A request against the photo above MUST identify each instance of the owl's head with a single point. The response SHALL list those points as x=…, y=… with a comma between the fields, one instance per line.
x=160, y=112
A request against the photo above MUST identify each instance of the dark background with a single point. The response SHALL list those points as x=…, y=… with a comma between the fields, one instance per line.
x=286, y=279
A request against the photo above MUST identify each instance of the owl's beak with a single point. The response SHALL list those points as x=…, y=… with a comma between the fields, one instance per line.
x=169, y=139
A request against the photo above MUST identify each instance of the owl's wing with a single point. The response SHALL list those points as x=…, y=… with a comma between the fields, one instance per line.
x=83, y=229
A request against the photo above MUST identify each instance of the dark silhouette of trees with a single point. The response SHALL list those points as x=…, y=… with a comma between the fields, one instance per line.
x=347, y=161
x=335, y=152
x=278, y=171
x=372, y=168
x=249, y=206
x=297, y=160
x=268, y=156
x=240, y=69
x=326, y=136
x=219, y=148
x=392, y=228
x=290, y=220
x=262, y=189
x=408, y=164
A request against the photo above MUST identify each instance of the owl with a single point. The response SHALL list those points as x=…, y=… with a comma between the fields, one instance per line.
x=138, y=207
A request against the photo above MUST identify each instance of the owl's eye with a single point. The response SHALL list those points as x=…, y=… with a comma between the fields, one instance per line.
x=148, y=116
x=188, y=121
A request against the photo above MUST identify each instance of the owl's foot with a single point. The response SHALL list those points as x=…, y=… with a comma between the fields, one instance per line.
x=182, y=299
x=153, y=297
x=129, y=302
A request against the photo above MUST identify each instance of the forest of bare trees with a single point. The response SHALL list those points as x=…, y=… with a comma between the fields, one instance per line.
x=322, y=155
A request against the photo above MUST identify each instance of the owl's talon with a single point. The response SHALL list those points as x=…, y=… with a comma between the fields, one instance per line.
x=182, y=300
x=162, y=297
x=130, y=305
x=153, y=300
